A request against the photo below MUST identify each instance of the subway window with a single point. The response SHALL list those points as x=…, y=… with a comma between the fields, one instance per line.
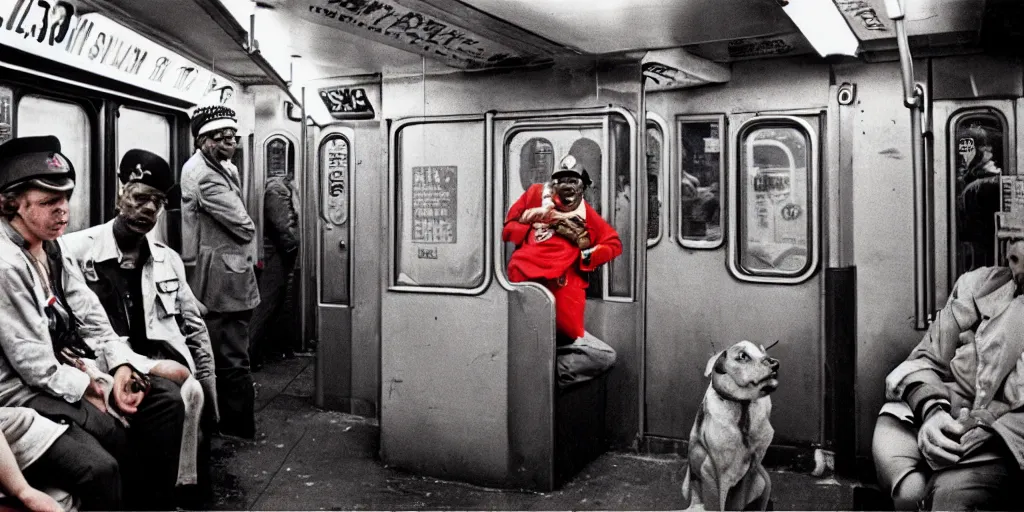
x=700, y=183
x=6, y=114
x=532, y=154
x=138, y=129
x=280, y=156
x=774, y=211
x=441, y=206
x=620, y=270
x=978, y=155
x=69, y=122
x=653, y=165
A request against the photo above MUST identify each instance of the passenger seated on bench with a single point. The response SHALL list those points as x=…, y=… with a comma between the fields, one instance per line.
x=57, y=458
x=61, y=356
x=142, y=288
x=959, y=396
x=558, y=237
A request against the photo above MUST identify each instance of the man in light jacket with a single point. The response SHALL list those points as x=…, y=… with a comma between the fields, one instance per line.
x=219, y=251
x=951, y=436
x=142, y=287
x=61, y=356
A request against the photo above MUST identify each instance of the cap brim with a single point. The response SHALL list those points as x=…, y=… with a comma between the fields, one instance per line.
x=557, y=174
x=56, y=185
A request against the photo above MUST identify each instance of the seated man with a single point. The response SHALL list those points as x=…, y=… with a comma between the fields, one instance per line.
x=142, y=288
x=61, y=356
x=558, y=237
x=57, y=458
x=952, y=435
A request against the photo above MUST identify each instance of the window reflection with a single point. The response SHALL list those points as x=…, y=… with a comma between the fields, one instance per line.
x=979, y=163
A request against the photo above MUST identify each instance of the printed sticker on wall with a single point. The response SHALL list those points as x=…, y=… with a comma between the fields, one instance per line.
x=791, y=211
x=435, y=204
x=712, y=145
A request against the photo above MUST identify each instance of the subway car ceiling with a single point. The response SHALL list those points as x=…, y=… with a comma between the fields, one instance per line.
x=344, y=38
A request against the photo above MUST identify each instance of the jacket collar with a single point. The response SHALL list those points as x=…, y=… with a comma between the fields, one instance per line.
x=106, y=246
x=216, y=166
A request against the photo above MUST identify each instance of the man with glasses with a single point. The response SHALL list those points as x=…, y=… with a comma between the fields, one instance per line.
x=219, y=250
x=559, y=238
x=141, y=285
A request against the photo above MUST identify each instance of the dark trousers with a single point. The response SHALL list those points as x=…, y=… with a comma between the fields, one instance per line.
x=236, y=397
x=265, y=331
x=990, y=485
x=78, y=464
x=146, y=453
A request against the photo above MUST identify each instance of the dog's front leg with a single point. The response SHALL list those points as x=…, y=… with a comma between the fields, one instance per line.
x=766, y=496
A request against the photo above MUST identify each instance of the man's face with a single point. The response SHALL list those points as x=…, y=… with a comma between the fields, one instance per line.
x=139, y=206
x=45, y=213
x=220, y=145
x=568, y=192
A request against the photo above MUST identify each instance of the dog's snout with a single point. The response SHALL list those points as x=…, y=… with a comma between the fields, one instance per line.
x=772, y=363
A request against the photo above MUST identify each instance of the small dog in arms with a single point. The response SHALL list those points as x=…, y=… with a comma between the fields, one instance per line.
x=732, y=432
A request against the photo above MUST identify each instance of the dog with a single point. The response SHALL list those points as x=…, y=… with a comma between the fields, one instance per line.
x=731, y=433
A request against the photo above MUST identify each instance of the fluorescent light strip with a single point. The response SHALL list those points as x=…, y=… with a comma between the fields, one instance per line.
x=823, y=25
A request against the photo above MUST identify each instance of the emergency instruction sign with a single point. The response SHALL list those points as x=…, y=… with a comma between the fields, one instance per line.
x=435, y=204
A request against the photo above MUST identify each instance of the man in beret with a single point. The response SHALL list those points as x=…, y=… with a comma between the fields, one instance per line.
x=559, y=237
x=62, y=358
x=219, y=250
x=142, y=286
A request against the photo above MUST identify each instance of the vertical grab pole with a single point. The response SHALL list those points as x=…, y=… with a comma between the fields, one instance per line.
x=924, y=252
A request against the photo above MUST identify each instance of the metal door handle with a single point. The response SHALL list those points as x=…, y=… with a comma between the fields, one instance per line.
x=342, y=245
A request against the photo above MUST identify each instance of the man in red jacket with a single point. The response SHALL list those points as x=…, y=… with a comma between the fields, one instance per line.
x=558, y=237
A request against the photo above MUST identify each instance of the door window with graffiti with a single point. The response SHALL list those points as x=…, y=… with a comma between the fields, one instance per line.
x=654, y=162
x=774, y=213
x=978, y=151
x=700, y=181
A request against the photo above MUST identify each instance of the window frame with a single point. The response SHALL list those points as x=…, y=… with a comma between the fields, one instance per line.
x=394, y=202
x=813, y=209
x=677, y=176
x=1009, y=169
x=663, y=178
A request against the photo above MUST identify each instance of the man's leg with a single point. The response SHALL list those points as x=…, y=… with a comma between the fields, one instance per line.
x=899, y=465
x=990, y=485
x=265, y=316
x=102, y=426
x=236, y=397
x=76, y=463
x=155, y=442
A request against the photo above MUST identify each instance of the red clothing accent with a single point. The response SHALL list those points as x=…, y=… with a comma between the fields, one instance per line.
x=557, y=257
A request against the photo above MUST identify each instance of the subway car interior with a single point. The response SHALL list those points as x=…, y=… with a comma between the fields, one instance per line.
x=788, y=172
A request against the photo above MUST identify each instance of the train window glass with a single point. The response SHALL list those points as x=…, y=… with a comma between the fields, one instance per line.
x=775, y=228
x=655, y=147
x=620, y=270
x=701, y=174
x=334, y=160
x=978, y=150
x=70, y=123
x=6, y=114
x=138, y=129
x=441, y=209
x=533, y=152
x=280, y=155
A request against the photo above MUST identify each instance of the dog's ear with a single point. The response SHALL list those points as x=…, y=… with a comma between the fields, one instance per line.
x=716, y=363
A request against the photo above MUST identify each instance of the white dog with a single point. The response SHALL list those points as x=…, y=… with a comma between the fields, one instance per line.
x=731, y=433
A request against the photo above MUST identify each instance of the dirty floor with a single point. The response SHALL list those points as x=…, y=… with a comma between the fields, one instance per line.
x=305, y=458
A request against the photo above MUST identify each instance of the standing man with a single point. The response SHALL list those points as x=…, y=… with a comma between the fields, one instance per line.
x=141, y=285
x=61, y=356
x=219, y=250
x=280, y=248
x=559, y=237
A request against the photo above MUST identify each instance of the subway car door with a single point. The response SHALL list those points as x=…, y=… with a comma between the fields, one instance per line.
x=975, y=144
x=741, y=262
x=333, y=160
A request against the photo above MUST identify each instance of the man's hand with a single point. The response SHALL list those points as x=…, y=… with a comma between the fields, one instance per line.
x=38, y=501
x=938, y=439
x=574, y=230
x=978, y=430
x=127, y=401
x=532, y=215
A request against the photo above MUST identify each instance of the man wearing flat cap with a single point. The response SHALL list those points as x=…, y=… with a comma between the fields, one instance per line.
x=142, y=286
x=558, y=238
x=219, y=250
x=62, y=358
